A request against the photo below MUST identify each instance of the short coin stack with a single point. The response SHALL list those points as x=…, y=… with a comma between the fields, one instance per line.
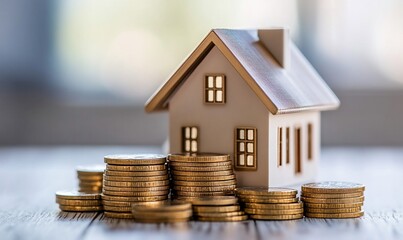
x=201, y=174
x=159, y=212
x=218, y=209
x=263, y=203
x=74, y=201
x=333, y=199
x=90, y=178
x=131, y=179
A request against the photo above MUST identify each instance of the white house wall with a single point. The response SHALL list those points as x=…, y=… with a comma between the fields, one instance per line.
x=285, y=174
x=217, y=122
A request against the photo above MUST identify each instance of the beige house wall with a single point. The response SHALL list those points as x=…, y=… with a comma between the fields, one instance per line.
x=285, y=174
x=217, y=122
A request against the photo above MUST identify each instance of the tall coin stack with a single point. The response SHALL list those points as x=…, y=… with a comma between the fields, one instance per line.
x=262, y=203
x=202, y=174
x=90, y=178
x=333, y=199
x=74, y=201
x=218, y=209
x=133, y=179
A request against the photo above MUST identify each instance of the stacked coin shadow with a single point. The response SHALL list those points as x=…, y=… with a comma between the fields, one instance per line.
x=333, y=200
x=263, y=203
x=200, y=175
x=163, y=212
x=218, y=209
x=90, y=178
x=74, y=201
x=133, y=179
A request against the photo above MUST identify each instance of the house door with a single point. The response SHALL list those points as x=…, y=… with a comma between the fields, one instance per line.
x=297, y=138
x=190, y=139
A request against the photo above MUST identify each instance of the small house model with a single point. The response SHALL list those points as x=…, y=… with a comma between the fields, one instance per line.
x=252, y=94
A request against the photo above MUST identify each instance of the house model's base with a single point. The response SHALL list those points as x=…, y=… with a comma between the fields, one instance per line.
x=254, y=96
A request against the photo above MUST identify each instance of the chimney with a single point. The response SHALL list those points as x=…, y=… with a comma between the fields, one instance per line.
x=277, y=41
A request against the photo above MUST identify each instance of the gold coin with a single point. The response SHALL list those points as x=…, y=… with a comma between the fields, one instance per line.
x=205, y=189
x=201, y=169
x=224, y=219
x=128, y=215
x=136, y=189
x=216, y=209
x=332, y=187
x=203, y=179
x=253, y=199
x=333, y=210
x=69, y=208
x=333, y=200
x=91, y=184
x=145, y=168
x=90, y=189
x=274, y=212
x=133, y=199
x=128, y=204
x=135, y=174
x=167, y=206
x=332, y=195
x=90, y=170
x=136, y=184
x=181, y=194
x=135, y=159
x=267, y=191
x=276, y=217
x=89, y=178
x=335, y=215
x=220, y=214
x=161, y=214
x=136, y=179
x=277, y=206
x=200, y=164
x=205, y=184
x=202, y=174
x=215, y=201
x=332, y=205
x=117, y=209
x=198, y=157
x=77, y=195
x=78, y=202
x=165, y=220
x=136, y=194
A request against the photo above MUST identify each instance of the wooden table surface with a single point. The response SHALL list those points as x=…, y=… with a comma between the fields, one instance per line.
x=29, y=177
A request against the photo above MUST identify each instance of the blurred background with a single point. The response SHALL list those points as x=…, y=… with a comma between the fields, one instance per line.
x=79, y=72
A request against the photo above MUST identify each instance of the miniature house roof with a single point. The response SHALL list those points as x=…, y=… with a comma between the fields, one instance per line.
x=282, y=78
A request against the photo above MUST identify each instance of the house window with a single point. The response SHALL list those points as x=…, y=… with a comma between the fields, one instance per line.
x=245, y=148
x=279, y=146
x=310, y=143
x=214, y=88
x=190, y=139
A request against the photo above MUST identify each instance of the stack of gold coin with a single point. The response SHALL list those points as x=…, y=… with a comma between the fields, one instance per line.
x=90, y=178
x=132, y=179
x=157, y=212
x=74, y=201
x=263, y=203
x=217, y=209
x=201, y=174
x=333, y=199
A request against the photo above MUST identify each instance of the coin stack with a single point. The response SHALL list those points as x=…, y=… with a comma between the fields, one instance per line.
x=166, y=212
x=218, y=209
x=202, y=174
x=90, y=178
x=74, y=201
x=263, y=203
x=130, y=179
x=333, y=199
